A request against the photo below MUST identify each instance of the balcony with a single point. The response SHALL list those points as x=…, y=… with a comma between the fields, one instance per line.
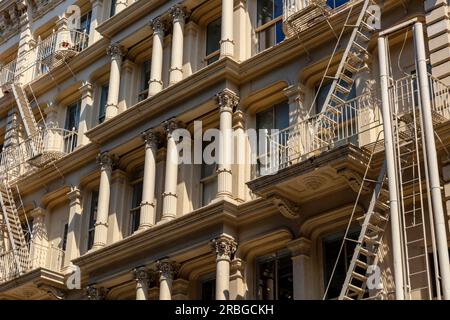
x=49, y=53
x=49, y=144
x=325, y=152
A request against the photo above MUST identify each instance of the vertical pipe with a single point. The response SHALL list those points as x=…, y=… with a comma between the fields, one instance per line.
x=391, y=170
x=433, y=168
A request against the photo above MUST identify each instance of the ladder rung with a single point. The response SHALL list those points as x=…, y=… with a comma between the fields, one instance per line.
x=361, y=264
x=418, y=272
x=366, y=252
x=415, y=241
x=374, y=227
x=356, y=289
x=358, y=276
x=416, y=257
x=414, y=226
x=362, y=35
x=336, y=99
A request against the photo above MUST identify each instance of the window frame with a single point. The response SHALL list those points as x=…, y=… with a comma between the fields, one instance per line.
x=101, y=105
x=135, y=209
x=144, y=85
x=260, y=29
x=214, y=55
x=93, y=210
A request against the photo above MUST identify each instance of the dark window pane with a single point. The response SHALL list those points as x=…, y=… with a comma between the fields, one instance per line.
x=64, y=240
x=275, y=280
x=336, y=3
x=209, y=290
x=85, y=22
x=213, y=36
x=264, y=11
x=73, y=116
x=112, y=10
x=281, y=116
x=92, y=219
x=279, y=32
x=103, y=101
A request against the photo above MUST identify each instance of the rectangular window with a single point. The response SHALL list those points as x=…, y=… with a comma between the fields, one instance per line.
x=145, y=78
x=331, y=246
x=269, y=23
x=208, y=180
x=64, y=239
x=112, y=9
x=92, y=219
x=274, y=276
x=71, y=126
x=208, y=288
x=80, y=40
x=103, y=100
x=135, y=212
x=213, y=34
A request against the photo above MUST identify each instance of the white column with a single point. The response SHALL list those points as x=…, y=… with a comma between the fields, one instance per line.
x=147, y=218
x=74, y=224
x=85, y=113
x=96, y=19
x=39, y=246
x=224, y=247
x=167, y=271
x=227, y=101
x=171, y=178
x=142, y=279
x=176, y=63
x=226, y=39
x=116, y=52
x=156, y=84
x=301, y=259
x=101, y=226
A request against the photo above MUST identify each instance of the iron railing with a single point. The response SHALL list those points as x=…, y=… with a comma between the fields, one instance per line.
x=14, y=263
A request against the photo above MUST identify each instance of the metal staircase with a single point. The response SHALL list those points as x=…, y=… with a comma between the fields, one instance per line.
x=351, y=63
x=26, y=113
x=365, y=256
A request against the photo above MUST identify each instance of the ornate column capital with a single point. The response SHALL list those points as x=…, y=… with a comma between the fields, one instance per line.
x=105, y=160
x=167, y=268
x=224, y=246
x=74, y=196
x=227, y=100
x=170, y=126
x=157, y=25
x=151, y=139
x=141, y=274
x=178, y=13
x=94, y=292
x=300, y=246
x=116, y=51
x=86, y=90
x=38, y=212
x=295, y=92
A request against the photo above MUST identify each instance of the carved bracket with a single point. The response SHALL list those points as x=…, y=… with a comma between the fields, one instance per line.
x=287, y=208
x=354, y=180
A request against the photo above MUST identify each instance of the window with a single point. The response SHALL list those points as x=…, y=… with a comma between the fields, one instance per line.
x=64, y=239
x=208, y=287
x=274, y=276
x=103, y=100
x=336, y=3
x=85, y=22
x=27, y=228
x=112, y=9
x=80, y=40
x=331, y=246
x=145, y=78
x=71, y=126
x=92, y=219
x=213, y=34
x=135, y=212
x=208, y=180
x=323, y=92
x=269, y=23
x=271, y=119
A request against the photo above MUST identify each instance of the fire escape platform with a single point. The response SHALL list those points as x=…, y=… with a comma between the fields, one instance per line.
x=34, y=284
x=326, y=173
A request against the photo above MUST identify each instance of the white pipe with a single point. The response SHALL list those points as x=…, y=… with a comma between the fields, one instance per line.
x=391, y=171
x=433, y=168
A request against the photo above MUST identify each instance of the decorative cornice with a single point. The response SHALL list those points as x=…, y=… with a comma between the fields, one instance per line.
x=167, y=268
x=224, y=247
x=227, y=100
x=116, y=51
x=287, y=208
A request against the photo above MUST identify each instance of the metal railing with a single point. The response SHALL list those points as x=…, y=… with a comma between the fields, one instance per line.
x=48, y=53
x=357, y=121
x=56, y=141
x=14, y=263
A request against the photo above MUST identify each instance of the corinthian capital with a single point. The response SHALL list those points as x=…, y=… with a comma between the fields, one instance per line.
x=157, y=25
x=224, y=246
x=170, y=126
x=178, y=13
x=227, y=100
x=151, y=139
x=141, y=274
x=167, y=269
x=96, y=293
x=105, y=160
x=115, y=50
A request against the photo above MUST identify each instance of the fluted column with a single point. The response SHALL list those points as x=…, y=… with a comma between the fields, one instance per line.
x=73, y=231
x=178, y=15
x=101, y=226
x=147, y=218
x=224, y=247
x=156, y=84
x=167, y=271
x=171, y=179
x=227, y=101
x=226, y=39
x=142, y=278
x=116, y=52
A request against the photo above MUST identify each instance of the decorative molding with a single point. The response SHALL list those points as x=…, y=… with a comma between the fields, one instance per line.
x=141, y=274
x=224, y=247
x=354, y=180
x=227, y=100
x=287, y=208
x=151, y=138
x=55, y=292
x=167, y=268
x=178, y=13
x=116, y=51
x=170, y=126
x=106, y=160
x=300, y=246
x=158, y=26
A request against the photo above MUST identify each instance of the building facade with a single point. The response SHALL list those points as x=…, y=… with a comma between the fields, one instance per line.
x=99, y=97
